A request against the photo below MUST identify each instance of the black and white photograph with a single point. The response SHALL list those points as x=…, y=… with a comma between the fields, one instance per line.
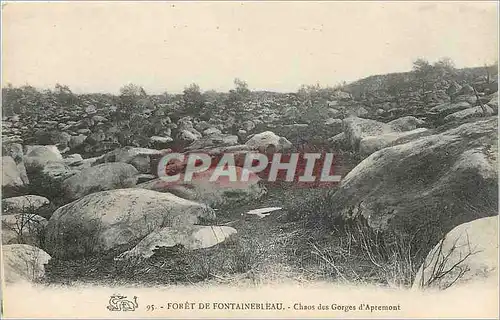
x=251, y=159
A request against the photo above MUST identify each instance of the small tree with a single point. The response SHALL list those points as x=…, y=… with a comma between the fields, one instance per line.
x=133, y=99
x=441, y=75
x=194, y=101
x=62, y=89
x=134, y=128
x=130, y=94
x=237, y=101
x=444, y=69
x=308, y=93
x=64, y=96
x=423, y=71
x=241, y=89
x=434, y=76
x=239, y=95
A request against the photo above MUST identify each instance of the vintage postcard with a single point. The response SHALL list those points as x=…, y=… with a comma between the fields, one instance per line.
x=254, y=159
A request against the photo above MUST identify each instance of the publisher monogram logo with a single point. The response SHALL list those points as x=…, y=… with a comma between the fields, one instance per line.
x=121, y=303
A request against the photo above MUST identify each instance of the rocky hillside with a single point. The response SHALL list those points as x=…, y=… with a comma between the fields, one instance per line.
x=417, y=152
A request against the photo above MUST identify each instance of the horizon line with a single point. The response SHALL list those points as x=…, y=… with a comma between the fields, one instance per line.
x=202, y=90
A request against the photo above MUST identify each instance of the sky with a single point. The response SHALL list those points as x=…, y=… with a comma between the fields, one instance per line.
x=276, y=46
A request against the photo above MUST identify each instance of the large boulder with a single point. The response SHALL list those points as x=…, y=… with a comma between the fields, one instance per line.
x=116, y=220
x=213, y=193
x=475, y=112
x=186, y=131
x=106, y=176
x=406, y=124
x=23, y=263
x=468, y=253
x=370, y=144
x=140, y=158
x=213, y=141
x=191, y=238
x=212, y=131
x=355, y=129
x=450, y=107
x=262, y=141
x=49, y=152
x=11, y=176
x=437, y=181
x=15, y=151
x=36, y=157
x=73, y=160
x=367, y=136
x=160, y=142
x=55, y=171
x=23, y=203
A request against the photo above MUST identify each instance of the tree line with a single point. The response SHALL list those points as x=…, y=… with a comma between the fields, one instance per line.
x=424, y=78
